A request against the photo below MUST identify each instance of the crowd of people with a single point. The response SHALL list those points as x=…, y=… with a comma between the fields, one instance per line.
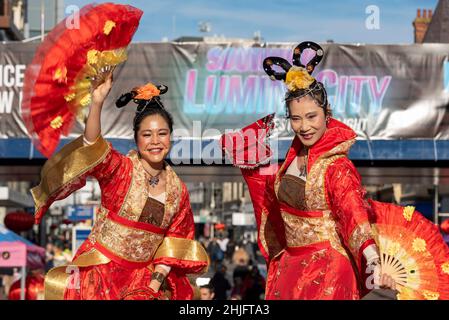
x=235, y=270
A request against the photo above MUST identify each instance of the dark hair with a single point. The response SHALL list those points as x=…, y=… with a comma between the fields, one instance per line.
x=152, y=108
x=208, y=286
x=318, y=94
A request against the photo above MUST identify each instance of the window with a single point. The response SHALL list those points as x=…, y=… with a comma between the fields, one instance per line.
x=2, y=7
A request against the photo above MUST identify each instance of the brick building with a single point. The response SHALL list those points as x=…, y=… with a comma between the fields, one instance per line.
x=432, y=27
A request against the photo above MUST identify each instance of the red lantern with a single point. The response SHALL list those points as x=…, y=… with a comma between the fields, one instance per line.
x=445, y=226
x=19, y=221
x=34, y=287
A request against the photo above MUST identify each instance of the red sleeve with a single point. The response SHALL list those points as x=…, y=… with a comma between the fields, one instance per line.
x=249, y=150
x=349, y=207
x=106, y=171
x=67, y=171
x=270, y=226
x=183, y=225
x=179, y=249
x=257, y=181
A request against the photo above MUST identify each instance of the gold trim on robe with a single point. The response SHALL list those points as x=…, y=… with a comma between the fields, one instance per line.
x=182, y=249
x=267, y=236
x=136, y=199
x=56, y=280
x=131, y=244
x=73, y=160
x=303, y=231
x=358, y=237
x=316, y=199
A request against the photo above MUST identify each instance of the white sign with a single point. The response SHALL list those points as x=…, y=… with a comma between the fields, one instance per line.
x=79, y=235
x=243, y=219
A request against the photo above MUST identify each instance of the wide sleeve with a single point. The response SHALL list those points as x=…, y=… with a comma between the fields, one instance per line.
x=67, y=171
x=181, y=253
x=270, y=226
x=179, y=250
x=249, y=150
x=351, y=210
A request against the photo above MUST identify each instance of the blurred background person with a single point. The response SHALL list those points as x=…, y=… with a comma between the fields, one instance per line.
x=220, y=284
x=207, y=292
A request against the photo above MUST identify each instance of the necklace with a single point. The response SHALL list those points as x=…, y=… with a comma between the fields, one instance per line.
x=303, y=170
x=154, y=180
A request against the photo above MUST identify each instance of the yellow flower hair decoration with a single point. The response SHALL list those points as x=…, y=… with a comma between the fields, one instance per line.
x=298, y=78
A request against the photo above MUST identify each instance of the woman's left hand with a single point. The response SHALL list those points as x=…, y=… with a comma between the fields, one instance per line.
x=383, y=280
x=387, y=281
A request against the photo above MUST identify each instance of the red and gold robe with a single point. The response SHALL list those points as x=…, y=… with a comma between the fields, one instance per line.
x=312, y=252
x=117, y=260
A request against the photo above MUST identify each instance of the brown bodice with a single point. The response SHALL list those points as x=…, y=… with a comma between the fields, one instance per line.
x=153, y=212
x=292, y=191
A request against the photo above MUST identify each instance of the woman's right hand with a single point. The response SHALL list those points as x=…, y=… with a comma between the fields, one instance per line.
x=99, y=93
x=102, y=89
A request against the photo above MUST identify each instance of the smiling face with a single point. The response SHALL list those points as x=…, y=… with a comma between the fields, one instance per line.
x=153, y=139
x=307, y=119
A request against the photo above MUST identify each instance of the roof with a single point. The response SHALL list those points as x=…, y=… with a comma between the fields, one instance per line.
x=438, y=30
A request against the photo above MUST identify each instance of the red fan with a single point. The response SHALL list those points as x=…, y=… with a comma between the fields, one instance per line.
x=58, y=80
x=412, y=251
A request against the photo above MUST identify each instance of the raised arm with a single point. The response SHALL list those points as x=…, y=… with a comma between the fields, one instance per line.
x=91, y=155
x=93, y=124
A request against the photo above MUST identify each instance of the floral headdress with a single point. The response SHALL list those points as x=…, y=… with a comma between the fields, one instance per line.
x=298, y=78
x=145, y=96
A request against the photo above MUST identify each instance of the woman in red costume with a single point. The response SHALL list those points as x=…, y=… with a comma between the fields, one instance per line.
x=144, y=230
x=311, y=212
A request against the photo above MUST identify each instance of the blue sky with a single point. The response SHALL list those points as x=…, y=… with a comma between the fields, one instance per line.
x=278, y=21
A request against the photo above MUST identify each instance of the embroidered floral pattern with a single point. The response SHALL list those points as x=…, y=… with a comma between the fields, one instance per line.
x=359, y=236
x=100, y=218
x=302, y=231
x=316, y=184
x=134, y=244
x=268, y=237
x=128, y=243
x=430, y=295
x=138, y=193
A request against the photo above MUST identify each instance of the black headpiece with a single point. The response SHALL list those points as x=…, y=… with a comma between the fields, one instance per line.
x=298, y=77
